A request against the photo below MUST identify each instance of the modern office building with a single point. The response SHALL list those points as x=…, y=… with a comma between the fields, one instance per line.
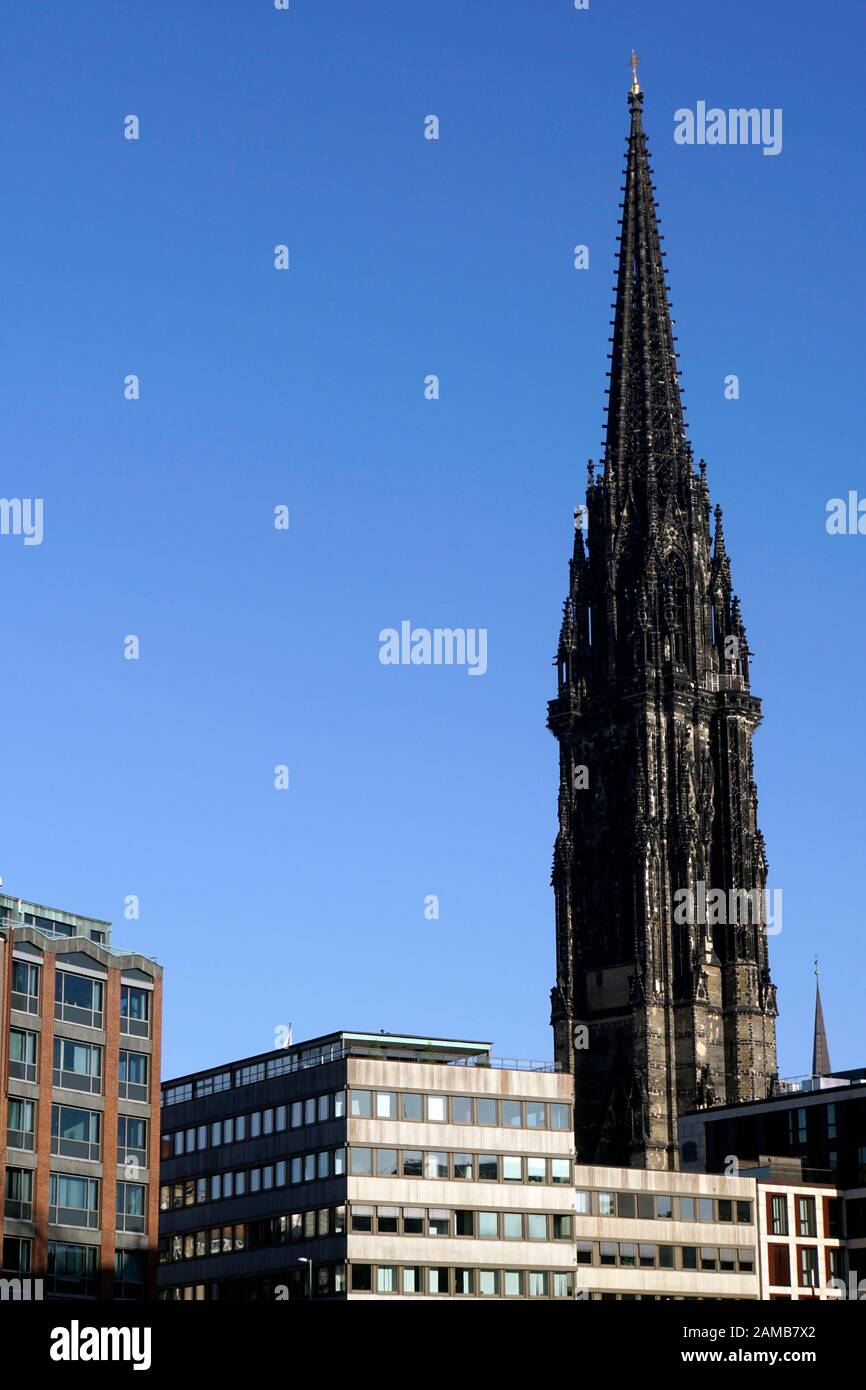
x=368, y=1166
x=79, y=1062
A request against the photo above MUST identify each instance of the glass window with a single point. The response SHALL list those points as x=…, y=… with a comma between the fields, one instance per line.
x=362, y=1219
x=485, y=1110
x=727, y=1260
x=23, y=1059
x=386, y=1163
x=488, y=1283
x=536, y=1227
x=388, y=1221
x=779, y=1215
x=25, y=987
x=386, y=1279
x=514, y=1283
x=725, y=1210
x=464, y=1281
x=535, y=1116
x=559, y=1116
x=18, y=1192
x=687, y=1209
x=646, y=1206
x=133, y=1074
x=806, y=1216
x=438, y=1280
x=280, y=1118
x=437, y=1108
x=563, y=1286
x=709, y=1257
x=413, y=1279
x=536, y=1169
x=690, y=1257
x=666, y=1256
x=647, y=1256
x=488, y=1168
x=78, y=999
x=438, y=1223
x=561, y=1227
x=626, y=1204
x=412, y=1106
x=413, y=1221
x=386, y=1105
x=707, y=1209
x=435, y=1165
x=464, y=1223
x=361, y=1160
x=413, y=1161
x=135, y=1011
x=361, y=1104
x=310, y=1110
x=560, y=1170
x=607, y=1252
x=339, y=1105
x=512, y=1113
x=488, y=1224
x=22, y=1125
x=462, y=1166
x=131, y=1206
x=512, y=1225
x=78, y=1065
x=310, y=1165
x=606, y=1203
x=744, y=1213
x=297, y=1114
x=537, y=1284
x=362, y=1278
x=582, y=1202
x=665, y=1208
x=75, y=1133
x=323, y=1109
x=584, y=1252
x=512, y=1168
x=73, y=1201
x=461, y=1110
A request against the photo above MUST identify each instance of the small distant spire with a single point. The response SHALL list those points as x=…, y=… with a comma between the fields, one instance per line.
x=634, y=60
x=821, y=1065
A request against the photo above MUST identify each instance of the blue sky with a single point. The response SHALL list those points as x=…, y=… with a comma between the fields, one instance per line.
x=305, y=388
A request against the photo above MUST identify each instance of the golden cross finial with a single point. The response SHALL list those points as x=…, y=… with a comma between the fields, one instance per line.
x=635, y=85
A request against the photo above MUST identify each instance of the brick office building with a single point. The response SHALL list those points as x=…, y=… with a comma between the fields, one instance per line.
x=80, y=1026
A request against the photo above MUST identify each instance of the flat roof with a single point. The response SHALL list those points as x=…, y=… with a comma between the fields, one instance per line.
x=408, y=1041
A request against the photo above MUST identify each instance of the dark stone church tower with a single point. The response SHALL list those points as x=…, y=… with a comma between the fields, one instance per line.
x=660, y=1004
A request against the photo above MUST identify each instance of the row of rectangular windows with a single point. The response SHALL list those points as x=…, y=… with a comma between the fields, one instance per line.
x=468, y=1282
x=76, y=1133
x=463, y=1223
x=248, y=1075
x=424, y=1163
x=328, y=1163
x=74, y=1201
x=628, y=1254
x=460, y=1110
x=253, y=1235
x=72, y=1269
x=78, y=1065
x=408, y=1105
x=805, y=1215
x=253, y=1124
x=651, y=1206
x=313, y=1167
x=80, y=999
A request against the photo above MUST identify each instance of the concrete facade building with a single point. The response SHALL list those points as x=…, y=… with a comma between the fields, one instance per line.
x=80, y=1031
x=365, y=1165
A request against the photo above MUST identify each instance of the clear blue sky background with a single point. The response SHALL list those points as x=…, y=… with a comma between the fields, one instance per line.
x=306, y=388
